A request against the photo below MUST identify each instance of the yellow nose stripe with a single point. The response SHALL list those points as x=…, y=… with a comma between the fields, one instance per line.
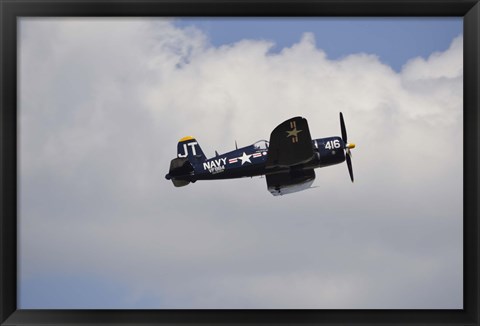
x=351, y=145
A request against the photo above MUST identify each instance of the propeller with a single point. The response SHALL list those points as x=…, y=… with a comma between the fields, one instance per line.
x=348, y=146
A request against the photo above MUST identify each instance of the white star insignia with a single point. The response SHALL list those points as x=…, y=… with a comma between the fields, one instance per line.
x=245, y=158
x=294, y=132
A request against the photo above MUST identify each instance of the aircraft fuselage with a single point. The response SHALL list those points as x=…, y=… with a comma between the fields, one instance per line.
x=288, y=160
x=250, y=161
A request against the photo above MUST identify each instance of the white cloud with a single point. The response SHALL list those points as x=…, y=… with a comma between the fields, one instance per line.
x=448, y=64
x=104, y=102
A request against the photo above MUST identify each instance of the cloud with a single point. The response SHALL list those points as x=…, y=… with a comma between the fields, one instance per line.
x=448, y=64
x=103, y=103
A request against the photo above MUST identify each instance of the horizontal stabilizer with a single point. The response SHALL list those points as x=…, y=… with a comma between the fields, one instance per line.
x=180, y=167
x=180, y=171
x=180, y=183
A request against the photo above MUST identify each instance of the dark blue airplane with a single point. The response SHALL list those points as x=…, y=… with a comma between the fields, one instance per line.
x=288, y=160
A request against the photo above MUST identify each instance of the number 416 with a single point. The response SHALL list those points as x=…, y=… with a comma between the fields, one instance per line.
x=332, y=144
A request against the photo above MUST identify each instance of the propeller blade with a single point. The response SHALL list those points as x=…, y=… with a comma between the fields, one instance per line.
x=349, y=152
x=348, y=146
x=344, y=130
x=349, y=164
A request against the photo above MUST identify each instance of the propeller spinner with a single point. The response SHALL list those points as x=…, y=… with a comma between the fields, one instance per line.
x=348, y=146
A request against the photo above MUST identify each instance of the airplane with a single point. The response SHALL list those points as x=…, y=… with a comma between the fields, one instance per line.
x=288, y=160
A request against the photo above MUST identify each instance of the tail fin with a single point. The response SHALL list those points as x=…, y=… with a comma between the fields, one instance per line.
x=188, y=147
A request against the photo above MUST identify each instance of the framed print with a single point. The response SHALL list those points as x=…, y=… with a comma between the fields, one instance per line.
x=172, y=162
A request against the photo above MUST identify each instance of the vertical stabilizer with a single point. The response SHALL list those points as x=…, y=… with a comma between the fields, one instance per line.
x=188, y=147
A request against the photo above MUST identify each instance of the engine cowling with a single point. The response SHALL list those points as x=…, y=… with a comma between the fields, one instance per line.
x=330, y=150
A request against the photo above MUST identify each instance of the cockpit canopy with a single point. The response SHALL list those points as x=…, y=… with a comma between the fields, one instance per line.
x=261, y=144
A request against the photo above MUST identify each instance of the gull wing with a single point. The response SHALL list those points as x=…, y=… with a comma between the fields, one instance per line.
x=290, y=144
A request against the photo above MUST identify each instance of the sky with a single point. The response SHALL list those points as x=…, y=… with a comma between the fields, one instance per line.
x=388, y=38
x=103, y=103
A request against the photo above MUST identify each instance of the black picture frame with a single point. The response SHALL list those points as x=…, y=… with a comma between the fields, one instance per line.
x=11, y=10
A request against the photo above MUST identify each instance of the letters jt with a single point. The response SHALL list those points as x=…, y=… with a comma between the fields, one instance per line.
x=185, y=150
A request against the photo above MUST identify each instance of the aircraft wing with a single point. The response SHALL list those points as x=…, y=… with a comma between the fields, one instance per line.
x=290, y=144
x=289, y=182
